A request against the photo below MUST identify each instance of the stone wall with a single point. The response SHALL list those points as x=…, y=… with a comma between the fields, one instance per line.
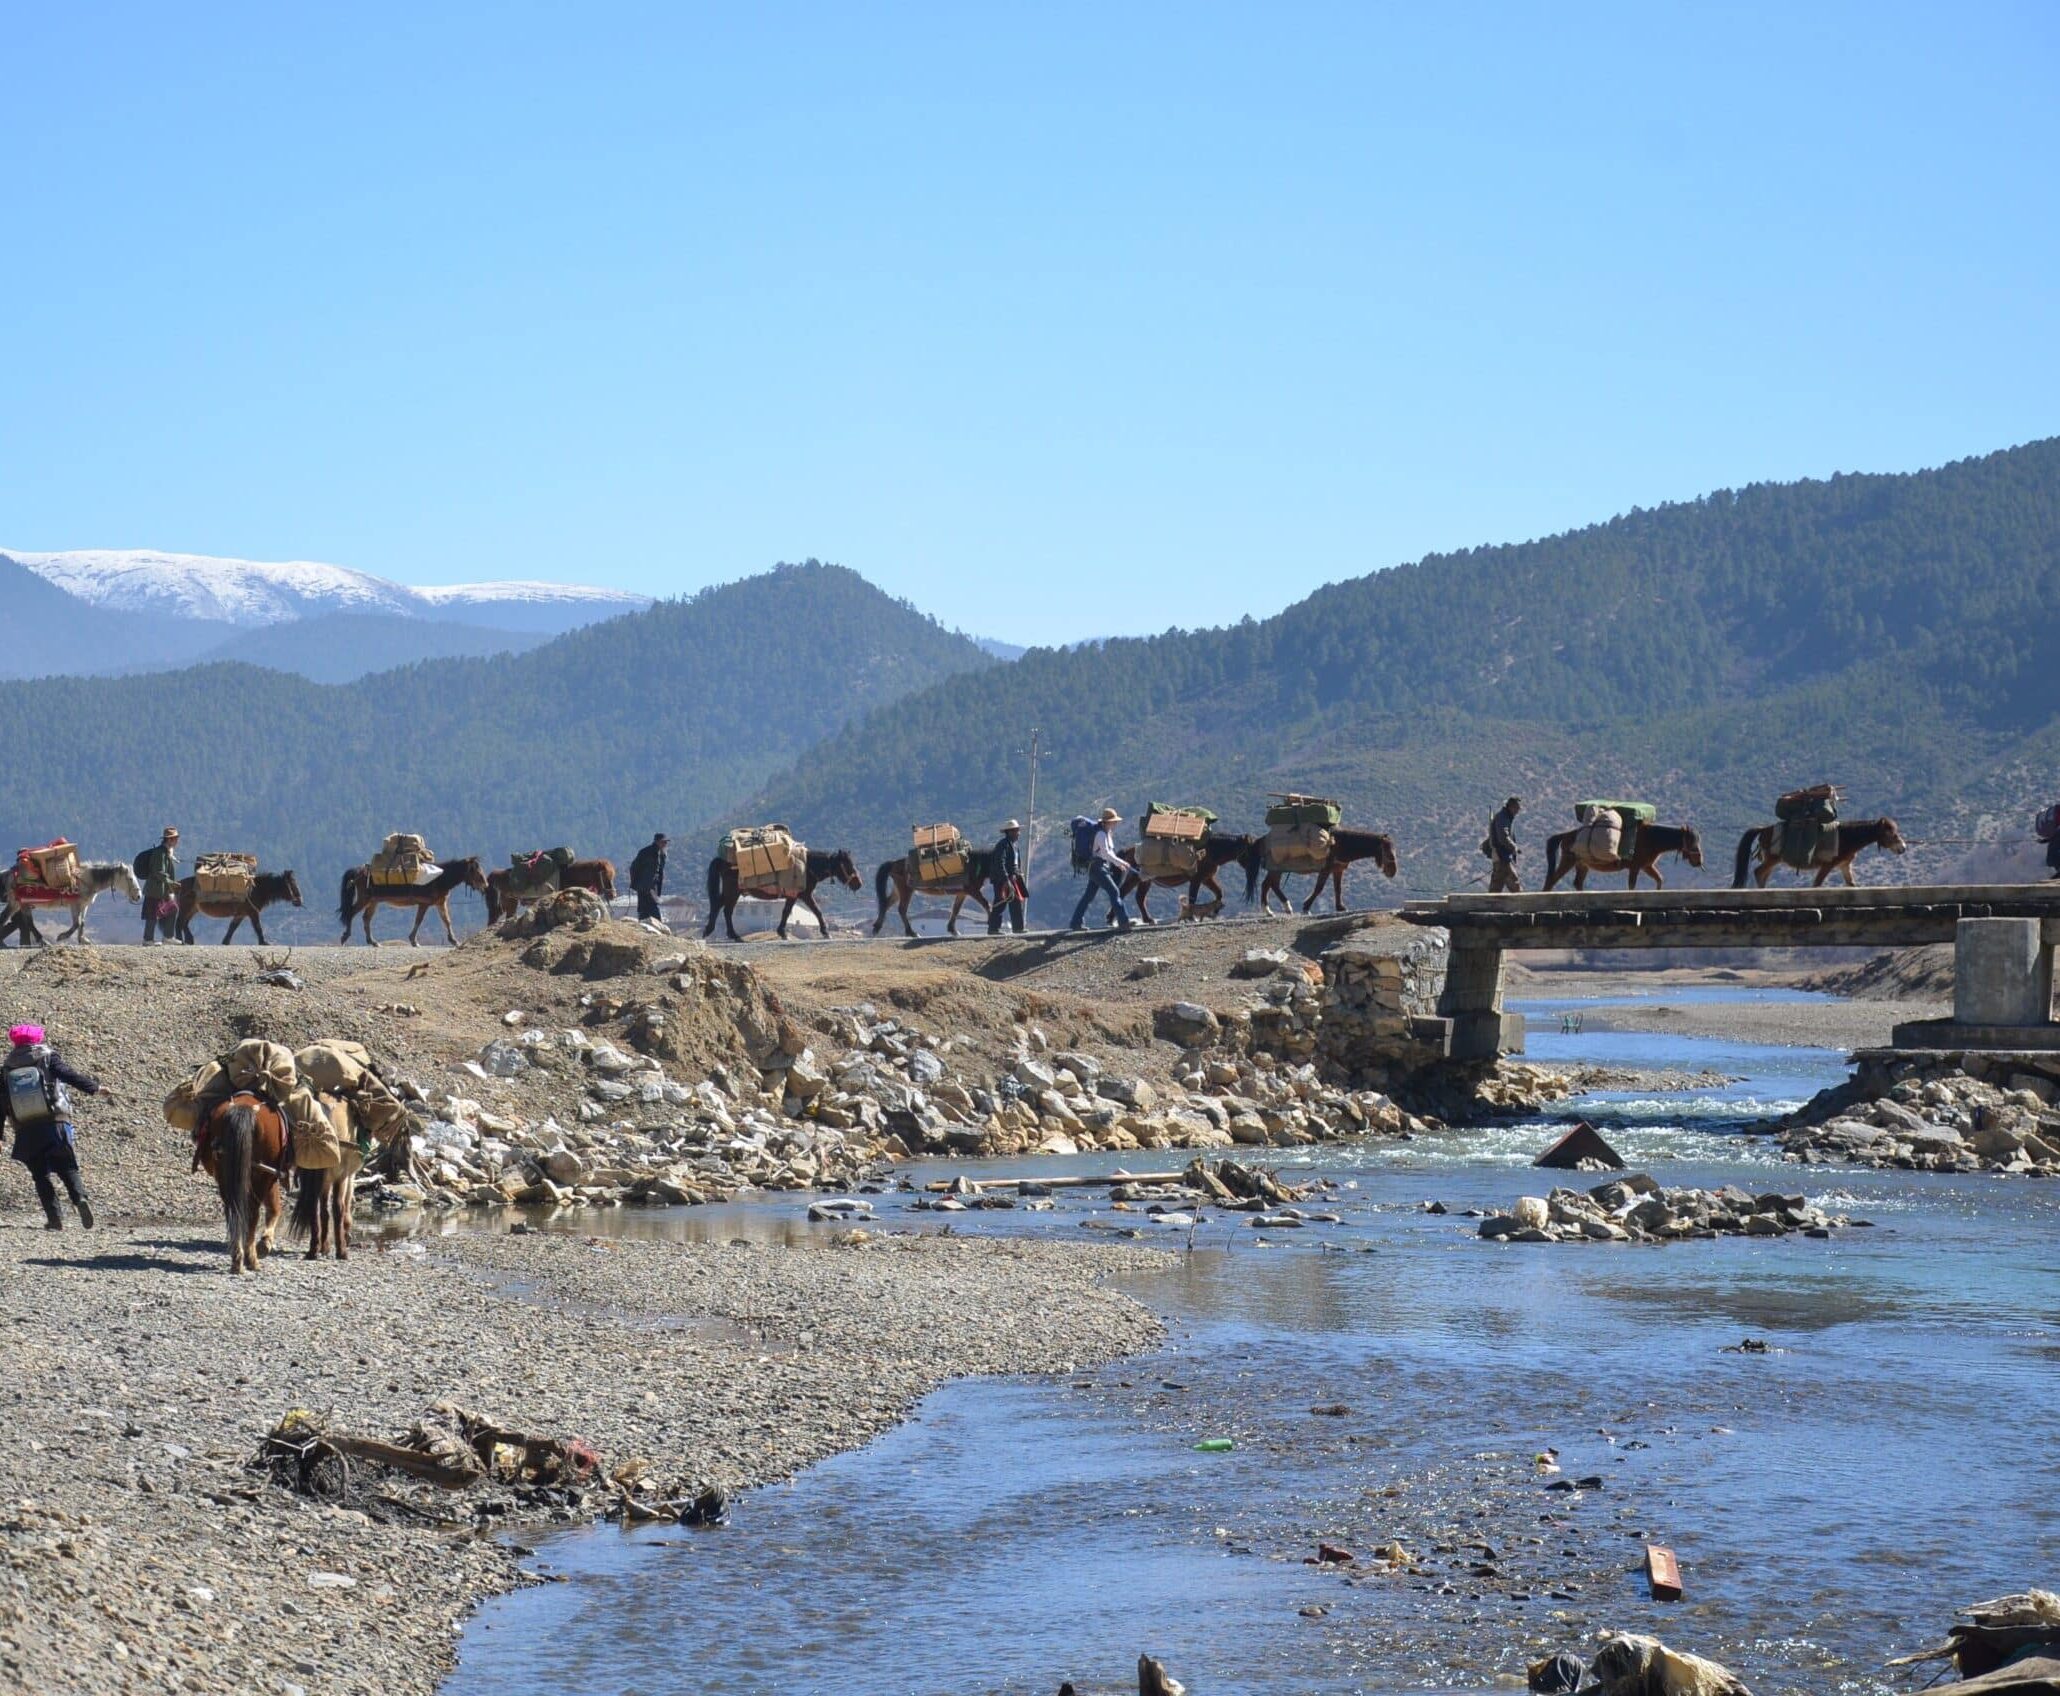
x=1373, y=1010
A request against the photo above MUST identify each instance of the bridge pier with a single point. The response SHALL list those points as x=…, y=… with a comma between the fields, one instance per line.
x=2002, y=991
x=1471, y=1002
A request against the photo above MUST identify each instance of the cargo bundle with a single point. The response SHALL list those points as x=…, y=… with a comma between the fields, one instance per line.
x=1609, y=829
x=328, y=1092
x=1808, y=817
x=1298, y=832
x=49, y=873
x=539, y=870
x=767, y=857
x=1171, y=841
x=225, y=877
x=403, y=862
x=938, y=854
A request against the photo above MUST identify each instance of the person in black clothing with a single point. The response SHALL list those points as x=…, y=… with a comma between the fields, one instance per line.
x=1502, y=849
x=1010, y=890
x=647, y=876
x=36, y=1100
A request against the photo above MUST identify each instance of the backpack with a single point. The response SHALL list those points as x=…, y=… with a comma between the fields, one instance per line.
x=2047, y=825
x=1084, y=829
x=28, y=1096
x=137, y=864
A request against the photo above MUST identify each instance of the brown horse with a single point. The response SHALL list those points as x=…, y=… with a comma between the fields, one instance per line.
x=1347, y=848
x=268, y=891
x=1843, y=841
x=244, y=1146
x=361, y=896
x=508, y=892
x=1216, y=853
x=1651, y=842
x=969, y=885
x=724, y=892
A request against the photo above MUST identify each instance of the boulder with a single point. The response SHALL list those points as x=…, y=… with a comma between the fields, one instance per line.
x=1531, y=1213
x=1186, y=1023
x=1263, y=963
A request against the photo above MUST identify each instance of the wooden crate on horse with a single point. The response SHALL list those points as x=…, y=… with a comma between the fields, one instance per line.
x=1170, y=840
x=938, y=854
x=403, y=862
x=763, y=854
x=225, y=877
x=50, y=873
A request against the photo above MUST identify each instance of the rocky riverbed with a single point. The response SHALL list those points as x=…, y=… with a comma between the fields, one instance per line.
x=1637, y=1209
x=1936, y=1113
x=140, y=1550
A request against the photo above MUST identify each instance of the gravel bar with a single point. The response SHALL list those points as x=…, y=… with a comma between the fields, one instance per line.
x=138, y=1551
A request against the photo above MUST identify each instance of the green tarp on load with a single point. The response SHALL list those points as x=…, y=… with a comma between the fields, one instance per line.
x=1636, y=812
x=1291, y=811
x=1167, y=807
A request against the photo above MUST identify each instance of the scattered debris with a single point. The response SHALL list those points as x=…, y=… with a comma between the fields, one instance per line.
x=1582, y=1149
x=2007, y=1644
x=1662, y=1573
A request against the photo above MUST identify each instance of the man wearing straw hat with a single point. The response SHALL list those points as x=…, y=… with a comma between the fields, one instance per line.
x=157, y=869
x=1105, y=873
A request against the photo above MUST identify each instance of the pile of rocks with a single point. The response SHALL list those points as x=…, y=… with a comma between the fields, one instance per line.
x=1943, y=1113
x=800, y=1120
x=1635, y=1209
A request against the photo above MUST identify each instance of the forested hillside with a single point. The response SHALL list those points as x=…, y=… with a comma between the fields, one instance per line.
x=664, y=718
x=1895, y=633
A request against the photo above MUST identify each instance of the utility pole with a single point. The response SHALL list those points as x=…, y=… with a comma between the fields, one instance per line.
x=1030, y=819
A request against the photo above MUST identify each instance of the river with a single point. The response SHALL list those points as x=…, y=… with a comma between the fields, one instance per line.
x=1888, y=1457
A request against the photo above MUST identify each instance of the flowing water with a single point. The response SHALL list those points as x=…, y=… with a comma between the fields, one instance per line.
x=1890, y=1456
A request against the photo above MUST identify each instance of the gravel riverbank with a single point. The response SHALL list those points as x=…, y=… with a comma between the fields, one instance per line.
x=139, y=1551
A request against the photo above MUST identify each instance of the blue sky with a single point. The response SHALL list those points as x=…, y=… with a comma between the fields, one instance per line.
x=1057, y=321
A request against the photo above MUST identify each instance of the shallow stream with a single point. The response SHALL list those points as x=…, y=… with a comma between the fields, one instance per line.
x=1890, y=1456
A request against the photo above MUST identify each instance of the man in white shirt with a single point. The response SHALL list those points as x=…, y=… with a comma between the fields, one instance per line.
x=1105, y=873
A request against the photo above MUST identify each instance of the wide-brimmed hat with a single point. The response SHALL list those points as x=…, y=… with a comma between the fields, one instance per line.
x=1111, y=816
x=1008, y=825
x=171, y=830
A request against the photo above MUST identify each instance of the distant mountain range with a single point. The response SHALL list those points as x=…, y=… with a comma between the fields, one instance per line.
x=102, y=613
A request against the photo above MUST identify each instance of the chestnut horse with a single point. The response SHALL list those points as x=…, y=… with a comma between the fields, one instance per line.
x=1843, y=841
x=268, y=891
x=361, y=896
x=724, y=892
x=1651, y=842
x=1347, y=848
x=1217, y=852
x=969, y=885
x=245, y=1147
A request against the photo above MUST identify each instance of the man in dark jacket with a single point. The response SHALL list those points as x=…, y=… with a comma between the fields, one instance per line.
x=647, y=876
x=1010, y=891
x=35, y=1099
x=1502, y=849
x=157, y=869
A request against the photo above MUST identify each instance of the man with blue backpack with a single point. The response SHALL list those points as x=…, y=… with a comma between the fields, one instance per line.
x=1094, y=852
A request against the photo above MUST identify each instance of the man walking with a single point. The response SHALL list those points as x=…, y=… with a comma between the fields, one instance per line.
x=157, y=869
x=647, y=876
x=1010, y=891
x=1502, y=849
x=35, y=1100
x=1106, y=870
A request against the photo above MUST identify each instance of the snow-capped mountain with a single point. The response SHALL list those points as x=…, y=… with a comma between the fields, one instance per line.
x=256, y=592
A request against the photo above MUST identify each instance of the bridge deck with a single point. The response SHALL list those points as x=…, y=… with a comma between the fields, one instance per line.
x=1892, y=916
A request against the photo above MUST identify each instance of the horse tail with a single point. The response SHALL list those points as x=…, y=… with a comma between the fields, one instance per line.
x=346, y=901
x=1554, y=847
x=307, y=1206
x=235, y=1142
x=881, y=878
x=1742, y=869
x=715, y=869
x=1254, y=862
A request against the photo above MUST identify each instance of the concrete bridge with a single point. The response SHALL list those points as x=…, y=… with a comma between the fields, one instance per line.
x=2004, y=936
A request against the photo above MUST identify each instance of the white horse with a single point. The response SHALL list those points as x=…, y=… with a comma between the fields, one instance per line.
x=95, y=879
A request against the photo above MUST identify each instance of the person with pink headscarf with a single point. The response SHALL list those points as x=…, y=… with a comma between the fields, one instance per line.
x=36, y=1099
